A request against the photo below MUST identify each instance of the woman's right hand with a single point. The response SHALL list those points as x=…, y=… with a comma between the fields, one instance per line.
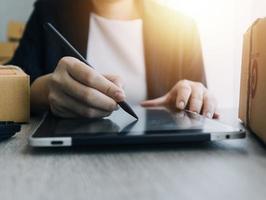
x=76, y=90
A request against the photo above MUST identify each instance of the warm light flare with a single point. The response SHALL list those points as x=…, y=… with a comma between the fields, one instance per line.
x=221, y=25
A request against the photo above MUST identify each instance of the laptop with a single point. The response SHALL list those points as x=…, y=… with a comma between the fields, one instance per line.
x=155, y=126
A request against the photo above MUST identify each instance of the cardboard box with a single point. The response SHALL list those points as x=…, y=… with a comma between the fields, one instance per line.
x=15, y=30
x=15, y=95
x=4, y=60
x=252, y=108
x=7, y=50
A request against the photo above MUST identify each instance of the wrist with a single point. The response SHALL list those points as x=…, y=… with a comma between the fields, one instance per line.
x=39, y=94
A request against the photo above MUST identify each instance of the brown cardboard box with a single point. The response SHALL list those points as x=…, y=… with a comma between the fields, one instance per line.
x=7, y=50
x=15, y=30
x=4, y=60
x=15, y=97
x=252, y=108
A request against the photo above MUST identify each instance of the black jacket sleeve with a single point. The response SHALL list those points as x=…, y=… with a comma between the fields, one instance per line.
x=29, y=55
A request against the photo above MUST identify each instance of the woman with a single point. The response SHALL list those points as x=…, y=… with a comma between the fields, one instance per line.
x=141, y=50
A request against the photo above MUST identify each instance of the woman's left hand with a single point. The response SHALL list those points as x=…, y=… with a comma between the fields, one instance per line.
x=190, y=95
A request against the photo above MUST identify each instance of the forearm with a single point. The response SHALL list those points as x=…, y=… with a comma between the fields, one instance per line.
x=39, y=94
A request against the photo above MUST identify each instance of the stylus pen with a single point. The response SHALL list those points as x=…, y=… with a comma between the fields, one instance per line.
x=63, y=41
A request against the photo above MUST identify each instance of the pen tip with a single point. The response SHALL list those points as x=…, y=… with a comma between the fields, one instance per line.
x=134, y=115
x=128, y=109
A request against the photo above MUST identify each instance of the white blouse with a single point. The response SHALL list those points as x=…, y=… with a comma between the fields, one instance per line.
x=116, y=47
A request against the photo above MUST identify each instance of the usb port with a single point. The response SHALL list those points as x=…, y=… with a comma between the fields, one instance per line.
x=56, y=142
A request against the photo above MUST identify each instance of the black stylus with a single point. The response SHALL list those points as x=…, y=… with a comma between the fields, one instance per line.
x=51, y=29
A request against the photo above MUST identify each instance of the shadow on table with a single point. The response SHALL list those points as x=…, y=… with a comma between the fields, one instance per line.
x=257, y=140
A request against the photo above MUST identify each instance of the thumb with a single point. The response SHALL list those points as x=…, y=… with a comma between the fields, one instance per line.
x=154, y=102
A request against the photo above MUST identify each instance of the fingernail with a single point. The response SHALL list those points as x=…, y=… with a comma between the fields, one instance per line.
x=209, y=115
x=181, y=105
x=119, y=96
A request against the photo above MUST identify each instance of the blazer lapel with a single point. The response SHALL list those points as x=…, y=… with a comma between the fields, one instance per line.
x=157, y=72
x=163, y=49
x=76, y=24
x=150, y=47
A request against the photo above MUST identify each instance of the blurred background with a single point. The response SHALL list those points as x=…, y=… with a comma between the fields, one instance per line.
x=222, y=24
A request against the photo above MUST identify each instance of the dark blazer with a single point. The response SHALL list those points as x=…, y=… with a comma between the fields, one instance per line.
x=171, y=41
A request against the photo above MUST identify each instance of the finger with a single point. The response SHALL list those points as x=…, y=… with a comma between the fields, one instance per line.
x=91, y=78
x=183, y=94
x=89, y=96
x=84, y=111
x=117, y=80
x=209, y=105
x=60, y=111
x=196, y=98
x=73, y=108
x=154, y=102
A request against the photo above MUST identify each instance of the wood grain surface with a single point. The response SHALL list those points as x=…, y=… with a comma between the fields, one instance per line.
x=221, y=170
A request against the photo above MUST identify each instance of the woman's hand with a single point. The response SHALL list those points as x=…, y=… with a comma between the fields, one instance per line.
x=76, y=90
x=188, y=95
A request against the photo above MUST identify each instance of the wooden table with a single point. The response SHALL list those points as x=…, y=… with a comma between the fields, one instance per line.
x=221, y=170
